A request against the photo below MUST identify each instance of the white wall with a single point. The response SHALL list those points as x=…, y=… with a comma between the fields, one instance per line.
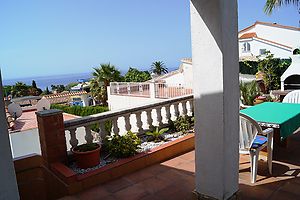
x=256, y=45
x=175, y=80
x=27, y=142
x=283, y=36
x=116, y=102
x=188, y=75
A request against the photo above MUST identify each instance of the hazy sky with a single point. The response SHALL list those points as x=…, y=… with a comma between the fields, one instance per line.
x=66, y=36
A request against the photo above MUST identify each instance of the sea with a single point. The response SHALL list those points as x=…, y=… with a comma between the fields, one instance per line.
x=46, y=81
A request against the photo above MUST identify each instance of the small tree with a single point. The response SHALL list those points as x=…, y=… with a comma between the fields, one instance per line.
x=33, y=85
x=272, y=68
x=102, y=76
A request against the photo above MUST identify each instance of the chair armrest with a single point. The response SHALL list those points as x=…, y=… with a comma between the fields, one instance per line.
x=268, y=131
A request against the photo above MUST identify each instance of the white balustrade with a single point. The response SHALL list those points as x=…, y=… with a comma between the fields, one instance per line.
x=133, y=119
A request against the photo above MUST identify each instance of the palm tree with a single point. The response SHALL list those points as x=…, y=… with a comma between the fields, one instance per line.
x=159, y=68
x=102, y=76
x=272, y=4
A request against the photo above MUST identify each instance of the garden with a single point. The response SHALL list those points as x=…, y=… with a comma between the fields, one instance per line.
x=114, y=148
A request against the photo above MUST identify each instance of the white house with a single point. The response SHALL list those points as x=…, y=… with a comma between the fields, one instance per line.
x=260, y=37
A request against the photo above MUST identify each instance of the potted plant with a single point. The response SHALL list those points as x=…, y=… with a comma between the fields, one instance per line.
x=87, y=155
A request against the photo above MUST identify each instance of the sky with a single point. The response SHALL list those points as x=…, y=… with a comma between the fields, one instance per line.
x=43, y=38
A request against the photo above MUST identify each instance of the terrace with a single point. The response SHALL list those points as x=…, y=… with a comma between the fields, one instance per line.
x=218, y=173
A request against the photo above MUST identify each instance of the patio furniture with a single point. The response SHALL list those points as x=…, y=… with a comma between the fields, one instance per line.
x=252, y=140
x=292, y=97
x=283, y=117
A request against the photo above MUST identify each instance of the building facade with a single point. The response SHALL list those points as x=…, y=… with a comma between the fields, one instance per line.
x=261, y=37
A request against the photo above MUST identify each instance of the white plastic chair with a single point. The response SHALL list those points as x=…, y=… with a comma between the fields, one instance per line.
x=252, y=140
x=292, y=97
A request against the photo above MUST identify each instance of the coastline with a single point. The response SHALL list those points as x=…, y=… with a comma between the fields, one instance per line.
x=46, y=81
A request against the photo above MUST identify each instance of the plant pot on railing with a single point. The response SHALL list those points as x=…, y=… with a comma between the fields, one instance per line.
x=87, y=155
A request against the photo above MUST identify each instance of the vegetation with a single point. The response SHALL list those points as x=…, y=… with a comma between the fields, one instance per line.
x=272, y=68
x=122, y=146
x=46, y=92
x=85, y=111
x=159, y=68
x=102, y=76
x=79, y=110
x=156, y=135
x=249, y=92
x=183, y=123
x=272, y=4
x=86, y=147
x=69, y=86
x=296, y=52
x=135, y=75
x=58, y=88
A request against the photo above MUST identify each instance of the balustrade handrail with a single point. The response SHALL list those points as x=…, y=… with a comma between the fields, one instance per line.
x=88, y=120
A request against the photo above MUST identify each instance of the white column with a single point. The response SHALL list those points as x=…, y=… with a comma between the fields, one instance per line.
x=216, y=93
x=152, y=89
x=8, y=182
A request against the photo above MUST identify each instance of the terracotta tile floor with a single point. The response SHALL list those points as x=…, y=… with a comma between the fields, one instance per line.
x=174, y=179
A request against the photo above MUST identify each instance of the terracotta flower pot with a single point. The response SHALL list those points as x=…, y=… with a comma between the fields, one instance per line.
x=87, y=159
x=260, y=99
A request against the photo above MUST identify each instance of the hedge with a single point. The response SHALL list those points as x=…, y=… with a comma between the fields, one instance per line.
x=85, y=111
x=79, y=110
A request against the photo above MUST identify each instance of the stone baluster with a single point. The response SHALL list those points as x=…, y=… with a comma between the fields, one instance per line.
x=184, y=109
x=159, y=117
x=139, y=122
x=116, y=129
x=149, y=118
x=168, y=114
x=127, y=122
x=191, y=109
x=102, y=131
x=73, y=139
x=88, y=134
x=176, y=110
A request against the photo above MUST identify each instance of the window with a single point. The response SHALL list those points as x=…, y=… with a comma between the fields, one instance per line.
x=246, y=47
x=262, y=51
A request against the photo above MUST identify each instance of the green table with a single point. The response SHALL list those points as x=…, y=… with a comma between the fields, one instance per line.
x=282, y=116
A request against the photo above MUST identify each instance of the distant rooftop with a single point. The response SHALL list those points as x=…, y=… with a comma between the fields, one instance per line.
x=28, y=121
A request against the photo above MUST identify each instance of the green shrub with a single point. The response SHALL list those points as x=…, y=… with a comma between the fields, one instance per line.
x=249, y=92
x=156, y=134
x=122, y=146
x=183, y=123
x=85, y=111
x=79, y=110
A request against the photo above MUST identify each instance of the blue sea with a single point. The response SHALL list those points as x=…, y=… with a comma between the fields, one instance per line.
x=46, y=81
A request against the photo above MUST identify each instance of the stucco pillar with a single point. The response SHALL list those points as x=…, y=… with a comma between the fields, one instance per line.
x=216, y=92
x=8, y=182
x=52, y=136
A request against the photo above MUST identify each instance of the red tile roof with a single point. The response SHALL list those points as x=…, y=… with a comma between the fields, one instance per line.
x=28, y=121
x=248, y=35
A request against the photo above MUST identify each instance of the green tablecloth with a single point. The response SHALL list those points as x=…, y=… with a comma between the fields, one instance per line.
x=286, y=115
